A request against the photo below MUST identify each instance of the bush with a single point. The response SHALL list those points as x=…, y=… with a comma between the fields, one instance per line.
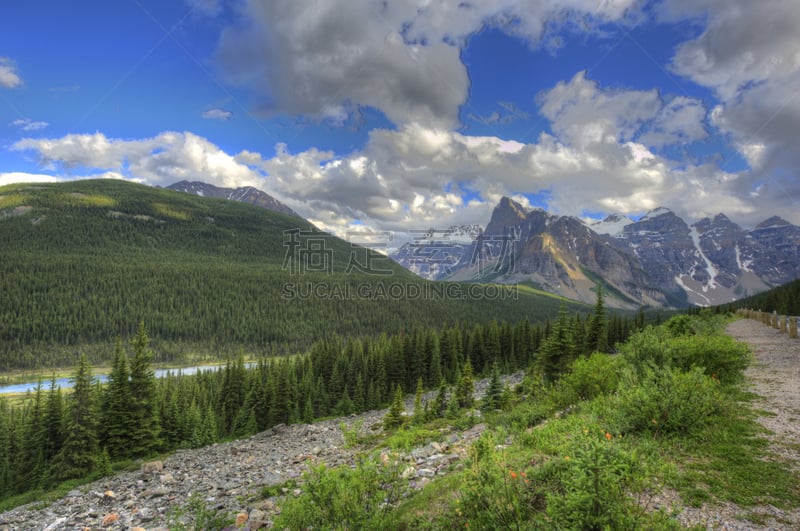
x=719, y=356
x=596, y=375
x=344, y=498
x=664, y=401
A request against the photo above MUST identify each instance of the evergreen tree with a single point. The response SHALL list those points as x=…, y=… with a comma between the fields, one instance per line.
x=81, y=450
x=596, y=335
x=494, y=394
x=465, y=387
x=117, y=422
x=558, y=349
x=144, y=429
x=440, y=403
x=394, y=417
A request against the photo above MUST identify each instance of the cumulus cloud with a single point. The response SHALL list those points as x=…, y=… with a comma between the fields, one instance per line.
x=748, y=55
x=9, y=78
x=321, y=58
x=217, y=114
x=163, y=159
x=22, y=177
x=26, y=124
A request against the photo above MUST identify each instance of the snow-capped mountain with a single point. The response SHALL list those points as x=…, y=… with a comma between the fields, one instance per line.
x=245, y=194
x=659, y=260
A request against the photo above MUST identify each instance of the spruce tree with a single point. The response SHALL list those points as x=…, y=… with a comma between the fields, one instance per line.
x=144, y=429
x=117, y=412
x=465, y=387
x=81, y=450
x=440, y=403
x=494, y=394
x=394, y=417
x=596, y=335
x=558, y=349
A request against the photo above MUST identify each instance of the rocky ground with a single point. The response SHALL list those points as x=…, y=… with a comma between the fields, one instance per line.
x=229, y=477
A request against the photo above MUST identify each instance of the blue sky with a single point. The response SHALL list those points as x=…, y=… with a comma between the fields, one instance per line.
x=407, y=114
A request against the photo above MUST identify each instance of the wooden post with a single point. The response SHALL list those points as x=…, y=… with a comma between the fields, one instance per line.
x=784, y=319
x=775, y=320
x=793, y=327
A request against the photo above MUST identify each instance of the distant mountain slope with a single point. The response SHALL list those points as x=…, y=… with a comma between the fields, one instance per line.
x=246, y=194
x=658, y=260
x=83, y=262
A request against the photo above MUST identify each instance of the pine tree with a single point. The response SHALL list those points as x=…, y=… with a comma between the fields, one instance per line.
x=79, y=454
x=394, y=417
x=144, y=429
x=558, y=349
x=465, y=387
x=117, y=421
x=596, y=335
x=440, y=403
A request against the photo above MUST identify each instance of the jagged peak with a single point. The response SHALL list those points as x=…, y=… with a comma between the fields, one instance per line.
x=656, y=212
x=774, y=221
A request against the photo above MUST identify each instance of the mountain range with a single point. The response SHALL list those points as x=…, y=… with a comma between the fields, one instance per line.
x=659, y=260
x=243, y=194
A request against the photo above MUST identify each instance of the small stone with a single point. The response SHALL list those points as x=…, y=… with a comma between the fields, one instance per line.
x=167, y=478
x=109, y=495
x=152, y=467
x=258, y=519
x=409, y=473
x=425, y=473
x=138, y=529
x=145, y=514
x=297, y=492
x=110, y=519
x=267, y=505
x=241, y=519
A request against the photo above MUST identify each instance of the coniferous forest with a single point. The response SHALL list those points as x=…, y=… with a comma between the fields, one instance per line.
x=57, y=435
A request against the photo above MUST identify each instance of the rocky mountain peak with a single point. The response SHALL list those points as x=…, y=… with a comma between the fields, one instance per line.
x=772, y=222
x=507, y=213
x=244, y=194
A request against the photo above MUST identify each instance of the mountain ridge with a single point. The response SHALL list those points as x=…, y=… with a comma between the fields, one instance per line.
x=658, y=260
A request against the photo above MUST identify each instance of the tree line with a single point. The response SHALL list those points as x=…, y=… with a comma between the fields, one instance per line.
x=56, y=435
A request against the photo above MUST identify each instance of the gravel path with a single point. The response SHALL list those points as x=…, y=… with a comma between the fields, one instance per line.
x=775, y=377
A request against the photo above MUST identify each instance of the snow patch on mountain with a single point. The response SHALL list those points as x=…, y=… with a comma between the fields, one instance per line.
x=712, y=271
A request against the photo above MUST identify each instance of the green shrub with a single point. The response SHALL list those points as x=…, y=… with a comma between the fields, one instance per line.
x=594, y=485
x=664, y=401
x=719, y=356
x=344, y=498
x=596, y=375
x=647, y=349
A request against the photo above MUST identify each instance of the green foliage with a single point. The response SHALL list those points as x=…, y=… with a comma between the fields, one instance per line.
x=144, y=428
x=395, y=417
x=599, y=374
x=344, y=498
x=197, y=516
x=79, y=454
x=594, y=486
x=465, y=387
x=665, y=401
x=75, y=273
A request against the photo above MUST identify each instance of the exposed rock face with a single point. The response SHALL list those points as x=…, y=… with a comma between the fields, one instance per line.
x=246, y=194
x=658, y=260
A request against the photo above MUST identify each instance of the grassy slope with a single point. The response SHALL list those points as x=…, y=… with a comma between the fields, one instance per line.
x=83, y=262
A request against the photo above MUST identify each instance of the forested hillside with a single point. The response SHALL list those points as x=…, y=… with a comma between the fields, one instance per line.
x=784, y=299
x=84, y=262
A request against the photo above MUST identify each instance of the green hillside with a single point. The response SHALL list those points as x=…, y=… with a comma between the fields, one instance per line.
x=83, y=262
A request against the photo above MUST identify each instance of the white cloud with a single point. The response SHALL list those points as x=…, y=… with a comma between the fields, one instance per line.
x=9, y=78
x=581, y=113
x=21, y=177
x=320, y=57
x=26, y=124
x=749, y=56
x=163, y=159
x=217, y=114
x=679, y=121
x=206, y=7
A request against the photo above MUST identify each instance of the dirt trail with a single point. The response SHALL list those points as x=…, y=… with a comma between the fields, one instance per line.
x=775, y=377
